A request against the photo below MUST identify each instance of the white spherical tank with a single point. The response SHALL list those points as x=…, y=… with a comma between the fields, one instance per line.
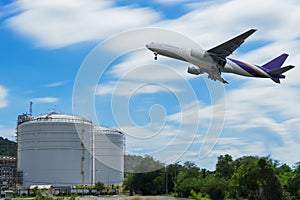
x=109, y=156
x=55, y=149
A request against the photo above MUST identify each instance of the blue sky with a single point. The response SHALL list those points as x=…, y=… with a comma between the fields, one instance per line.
x=165, y=112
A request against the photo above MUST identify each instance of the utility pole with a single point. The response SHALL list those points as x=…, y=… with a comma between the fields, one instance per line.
x=166, y=179
x=82, y=153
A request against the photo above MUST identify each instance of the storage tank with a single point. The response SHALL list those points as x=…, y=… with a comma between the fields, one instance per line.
x=109, y=156
x=55, y=149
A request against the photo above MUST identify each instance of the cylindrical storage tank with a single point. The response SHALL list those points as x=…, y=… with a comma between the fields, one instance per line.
x=52, y=150
x=109, y=156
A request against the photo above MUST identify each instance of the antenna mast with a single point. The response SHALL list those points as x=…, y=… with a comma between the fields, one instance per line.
x=30, y=108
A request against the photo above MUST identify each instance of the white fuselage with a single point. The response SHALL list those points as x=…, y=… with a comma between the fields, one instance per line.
x=202, y=60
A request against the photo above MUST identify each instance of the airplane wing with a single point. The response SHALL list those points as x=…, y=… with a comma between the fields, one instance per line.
x=227, y=48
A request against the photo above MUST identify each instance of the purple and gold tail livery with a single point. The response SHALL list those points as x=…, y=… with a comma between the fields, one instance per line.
x=215, y=61
x=272, y=69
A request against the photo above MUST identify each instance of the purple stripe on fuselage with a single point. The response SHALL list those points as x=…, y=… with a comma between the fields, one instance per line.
x=248, y=68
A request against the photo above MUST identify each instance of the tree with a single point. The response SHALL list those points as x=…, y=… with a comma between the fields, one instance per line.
x=244, y=180
x=247, y=177
x=294, y=184
x=188, y=179
x=7, y=147
x=189, y=164
x=131, y=161
x=173, y=170
x=224, y=166
x=285, y=173
x=147, y=164
x=99, y=186
x=255, y=178
x=215, y=187
x=148, y=183
x=199, y=196
x=128, y=183
x=270, y=186
x=193, y=172
x=184, y=187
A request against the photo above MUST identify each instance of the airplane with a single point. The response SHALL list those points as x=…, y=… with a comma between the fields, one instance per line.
x=214, y=61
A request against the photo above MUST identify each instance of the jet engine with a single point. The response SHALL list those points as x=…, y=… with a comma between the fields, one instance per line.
x=194, y=70
x=198, y=53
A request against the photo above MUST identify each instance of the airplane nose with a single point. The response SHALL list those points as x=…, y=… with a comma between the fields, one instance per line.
x=148, y=46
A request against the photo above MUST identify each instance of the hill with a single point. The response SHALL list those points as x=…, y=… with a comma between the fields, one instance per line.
x=7, y=147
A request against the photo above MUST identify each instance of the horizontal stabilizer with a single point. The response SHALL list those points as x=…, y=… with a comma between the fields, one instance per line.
x=279, y=71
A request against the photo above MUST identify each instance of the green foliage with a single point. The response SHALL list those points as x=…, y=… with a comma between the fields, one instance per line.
x=193, y=172
x=247, y=177
x=199, y=196
x=131, y=161
x=128, y=183
x=244, y=180
x=173, y=170
x=224, y=166
x=215, y=187
x=73, y=196
x=189, y=164
x=7, y=147
x=187, y=180
x=294, y=184
x=285, y=173
x=99, y=186
x=39, y=195
x=183, y=188
x=149, y=183
x=136, y=198
x=147, y=164
x=255, y=178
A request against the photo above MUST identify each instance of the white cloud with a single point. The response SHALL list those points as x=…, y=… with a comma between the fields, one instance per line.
x=263, y=116
x=141, y=66
x=45, y=100
x=169, y=144
x=129, y=88
x=194, y=112
x=55, y=84
x=171, y=1
x=8, y=133
x=140, y=74
x=3, y=96
x=219, y=21
x=255, y=104
x=54, y=23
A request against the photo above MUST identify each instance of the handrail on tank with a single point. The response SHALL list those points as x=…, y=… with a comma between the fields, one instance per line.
x=26, y=118
x=60, y=119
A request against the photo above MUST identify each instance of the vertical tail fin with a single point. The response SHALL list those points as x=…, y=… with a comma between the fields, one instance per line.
x=275, y=63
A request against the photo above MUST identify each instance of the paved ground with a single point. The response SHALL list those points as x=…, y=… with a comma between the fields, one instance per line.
x=130, y=198
x=117, y=197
